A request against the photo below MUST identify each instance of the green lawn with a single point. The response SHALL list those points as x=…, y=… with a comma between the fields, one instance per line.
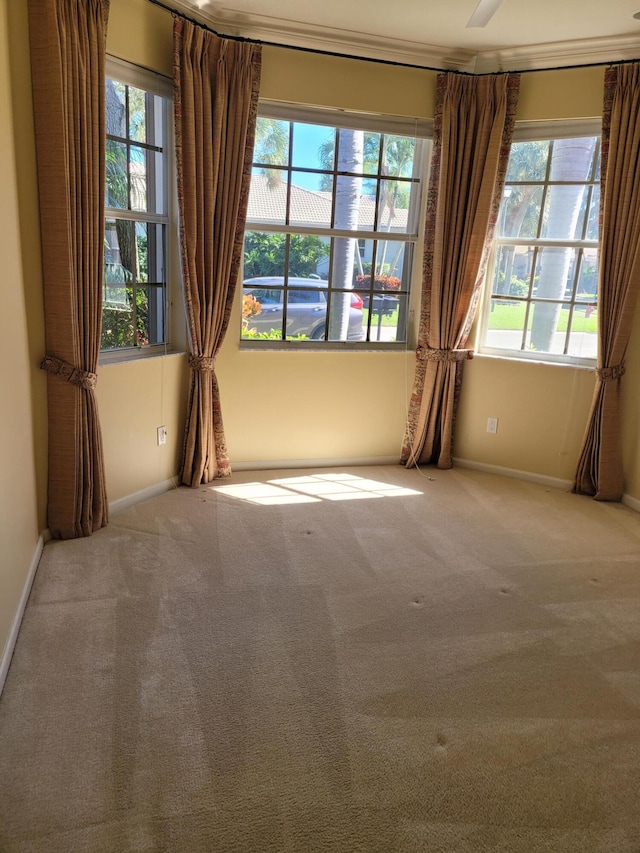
x=512, y=317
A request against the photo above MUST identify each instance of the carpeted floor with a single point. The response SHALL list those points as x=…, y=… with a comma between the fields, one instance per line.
x=445, y=661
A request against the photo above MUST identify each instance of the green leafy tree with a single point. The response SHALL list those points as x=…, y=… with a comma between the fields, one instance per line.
x=265, y=254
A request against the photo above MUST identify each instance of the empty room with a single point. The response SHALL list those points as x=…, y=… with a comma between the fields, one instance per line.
x=320, y=465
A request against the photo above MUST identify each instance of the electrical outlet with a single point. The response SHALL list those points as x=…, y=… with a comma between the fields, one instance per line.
x=492, y=425
x=162, y=435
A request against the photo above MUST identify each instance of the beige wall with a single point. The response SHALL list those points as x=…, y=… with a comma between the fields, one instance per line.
x=18, y=492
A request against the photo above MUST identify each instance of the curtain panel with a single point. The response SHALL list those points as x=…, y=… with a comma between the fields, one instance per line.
x=216, y=84
x=68, y=42
x=599, y=470
x=473, y=128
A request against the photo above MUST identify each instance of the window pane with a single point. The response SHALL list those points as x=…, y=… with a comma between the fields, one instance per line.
x=386, y=315
x=310, y=205
x=306, y=312
x=393, y=206
x=117, y=189
x=264, y=255
x=564, y=212
x=262, y=312
x=548, y=324
x=528, y=161
x=120, y=251
x=138, y=177
x=555, y=273
x=150, y=252
x=353, y=211
x=345, y=317
x=313, y=146
x=137, y=114
x=268, y=196
x=587, y=289
x=572, y=159
x=272, y=142
x=398, y=154
x=309, y=256
x=512, y=271
x=594, y=214
x=520, y=211
x=371, y=158
x=118, y=318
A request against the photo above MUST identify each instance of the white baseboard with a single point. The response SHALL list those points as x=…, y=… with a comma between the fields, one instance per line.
x=7, y=653
x=342, y=461
x=541, y=479
x=632, y=503
x=143, y=495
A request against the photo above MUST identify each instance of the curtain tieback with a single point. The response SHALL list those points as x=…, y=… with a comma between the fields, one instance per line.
x=605, y=374
x=430, y=354
x=201, y=363
x=74, y=375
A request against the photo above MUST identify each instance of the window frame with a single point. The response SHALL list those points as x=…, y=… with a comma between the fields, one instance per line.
x=422, y=131
x=155, y=84
x=530, y=131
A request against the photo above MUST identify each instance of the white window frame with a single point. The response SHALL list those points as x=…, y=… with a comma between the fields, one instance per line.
x=422, y=130
x=528, y=131
x=174, y=335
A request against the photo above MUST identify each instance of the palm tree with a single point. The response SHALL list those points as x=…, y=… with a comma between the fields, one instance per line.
x=571, y=161
x=347, y=208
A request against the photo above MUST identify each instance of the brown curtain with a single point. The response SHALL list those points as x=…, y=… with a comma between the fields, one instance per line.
x=67, y=65
x=473, y=127
x=599, y=471
x=216, y=101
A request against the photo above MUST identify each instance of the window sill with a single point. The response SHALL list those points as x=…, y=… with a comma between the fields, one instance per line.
x=324, y=346
x=130, y=354
x=539, y=358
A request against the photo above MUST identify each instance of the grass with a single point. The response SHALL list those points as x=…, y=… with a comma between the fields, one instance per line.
x=387, y=319
x=512, y=317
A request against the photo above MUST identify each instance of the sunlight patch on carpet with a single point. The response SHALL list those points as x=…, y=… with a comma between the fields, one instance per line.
x=309, y=489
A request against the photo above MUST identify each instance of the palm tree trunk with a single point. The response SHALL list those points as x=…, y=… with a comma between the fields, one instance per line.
x=571, y=162
x=348, y=191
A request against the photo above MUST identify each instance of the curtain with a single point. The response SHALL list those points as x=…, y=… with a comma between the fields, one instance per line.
x=599, y=470
x=473, y=127
x=216, y=85
x=67, y=40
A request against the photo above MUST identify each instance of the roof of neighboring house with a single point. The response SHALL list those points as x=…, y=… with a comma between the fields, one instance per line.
x=268, y=203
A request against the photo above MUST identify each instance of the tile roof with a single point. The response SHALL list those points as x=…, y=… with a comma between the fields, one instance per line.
x=268, y=203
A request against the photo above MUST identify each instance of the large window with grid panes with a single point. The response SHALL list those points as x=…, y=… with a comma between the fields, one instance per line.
x=137, y=216
x=331, y=228
x=543, y=298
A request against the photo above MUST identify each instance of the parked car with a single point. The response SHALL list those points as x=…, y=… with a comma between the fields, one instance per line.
x=306, y=307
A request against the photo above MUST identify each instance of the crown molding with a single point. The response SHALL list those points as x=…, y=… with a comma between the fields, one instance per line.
x=561, y=54
x=290, y=33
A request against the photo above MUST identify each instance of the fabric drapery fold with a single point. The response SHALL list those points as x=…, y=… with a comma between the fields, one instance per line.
x=68, y=43
x=216, y=83
x=473, y=128
x=599, y=470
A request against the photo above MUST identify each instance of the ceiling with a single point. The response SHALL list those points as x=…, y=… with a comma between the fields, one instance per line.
x=520, y=34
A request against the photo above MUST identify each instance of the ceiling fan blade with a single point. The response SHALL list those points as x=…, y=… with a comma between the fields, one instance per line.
x=485, y=10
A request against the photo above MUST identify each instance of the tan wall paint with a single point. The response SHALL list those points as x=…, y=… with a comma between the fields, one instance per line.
x=134, y=399
x=569, y=93
x=18, y=499
x=631, y=413
x=542, y=411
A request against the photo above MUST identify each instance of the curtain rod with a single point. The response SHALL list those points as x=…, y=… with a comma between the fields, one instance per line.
x=177, y=14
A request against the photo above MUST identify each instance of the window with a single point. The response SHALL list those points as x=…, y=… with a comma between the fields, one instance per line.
x=545, y=270
x=331, y=227
x=134, y=313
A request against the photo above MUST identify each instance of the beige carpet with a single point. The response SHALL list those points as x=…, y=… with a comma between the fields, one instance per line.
x=359, y=668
